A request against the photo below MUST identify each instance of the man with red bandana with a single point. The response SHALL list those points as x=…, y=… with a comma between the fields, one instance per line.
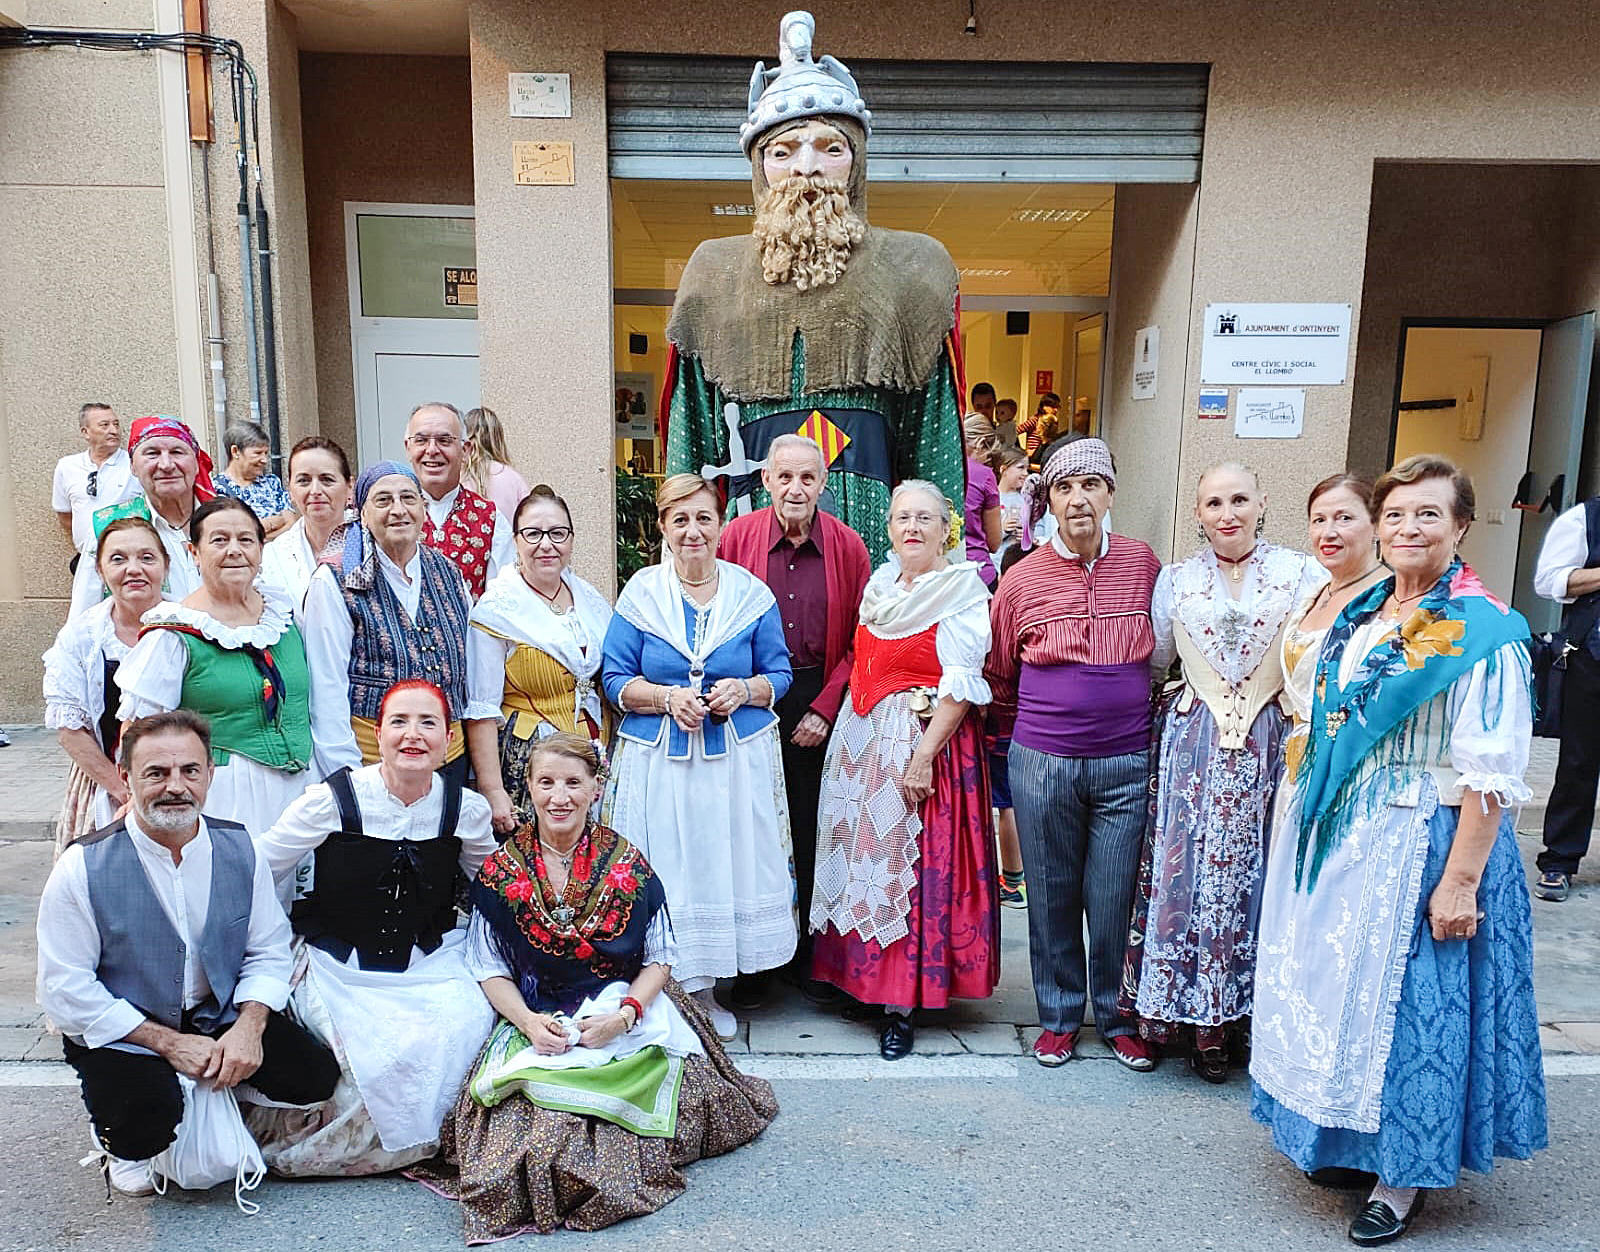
x=174, y=475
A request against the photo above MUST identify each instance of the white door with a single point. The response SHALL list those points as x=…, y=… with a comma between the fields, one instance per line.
x=413, y=316
x=407, y=379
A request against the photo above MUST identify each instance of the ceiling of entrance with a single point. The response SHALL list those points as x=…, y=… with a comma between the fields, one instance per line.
x=1039, y=239
x=408, y=27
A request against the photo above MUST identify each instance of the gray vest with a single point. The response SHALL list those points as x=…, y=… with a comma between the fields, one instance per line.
x=141, y=955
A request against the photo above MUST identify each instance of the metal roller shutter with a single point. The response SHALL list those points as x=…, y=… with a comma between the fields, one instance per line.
x=1038, y=122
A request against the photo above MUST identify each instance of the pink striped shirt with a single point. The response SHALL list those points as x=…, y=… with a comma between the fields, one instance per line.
x=1050, y=611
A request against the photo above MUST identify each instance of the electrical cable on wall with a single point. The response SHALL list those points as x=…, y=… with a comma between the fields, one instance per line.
x=246, y=98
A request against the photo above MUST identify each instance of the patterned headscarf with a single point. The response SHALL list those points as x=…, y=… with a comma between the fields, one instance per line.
x=358, y=559
x=161, y=424
x=1081, y=456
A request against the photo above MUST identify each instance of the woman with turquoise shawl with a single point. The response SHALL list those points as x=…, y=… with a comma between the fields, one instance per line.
x=1396, y=1040
x=602, y=1077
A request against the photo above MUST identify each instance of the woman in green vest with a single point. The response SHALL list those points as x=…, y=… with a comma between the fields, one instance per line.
x=231, y=652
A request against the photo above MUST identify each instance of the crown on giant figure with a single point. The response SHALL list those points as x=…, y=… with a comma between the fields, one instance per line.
x=799, y=87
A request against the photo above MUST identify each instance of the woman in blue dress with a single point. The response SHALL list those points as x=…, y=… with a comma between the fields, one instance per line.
x=1396, y=1040
x=695, y=658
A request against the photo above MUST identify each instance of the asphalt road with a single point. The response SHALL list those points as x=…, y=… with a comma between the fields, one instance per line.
x=1011, y=1156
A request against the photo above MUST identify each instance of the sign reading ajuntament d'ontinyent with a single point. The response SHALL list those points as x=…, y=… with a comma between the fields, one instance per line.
x=1275, y=343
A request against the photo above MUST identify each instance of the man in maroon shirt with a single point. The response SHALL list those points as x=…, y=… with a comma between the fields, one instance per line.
x=816, y=567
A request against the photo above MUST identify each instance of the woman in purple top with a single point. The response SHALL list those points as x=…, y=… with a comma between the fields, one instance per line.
x=983, y=495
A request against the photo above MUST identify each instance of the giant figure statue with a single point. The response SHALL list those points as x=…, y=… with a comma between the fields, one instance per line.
x=817, y=323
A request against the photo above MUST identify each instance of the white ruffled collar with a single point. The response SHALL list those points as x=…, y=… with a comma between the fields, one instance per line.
x=277, y=615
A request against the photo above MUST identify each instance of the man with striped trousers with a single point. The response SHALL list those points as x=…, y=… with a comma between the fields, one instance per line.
x=1070, y=669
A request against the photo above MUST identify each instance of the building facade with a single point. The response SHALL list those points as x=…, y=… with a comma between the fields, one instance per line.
x=1433, y=166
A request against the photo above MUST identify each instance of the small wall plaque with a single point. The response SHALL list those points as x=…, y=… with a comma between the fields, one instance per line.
x=542, y=163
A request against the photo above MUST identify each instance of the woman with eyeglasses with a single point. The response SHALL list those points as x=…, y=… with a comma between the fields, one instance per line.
x=536, y=634
x=389, y=608
x=905, y=909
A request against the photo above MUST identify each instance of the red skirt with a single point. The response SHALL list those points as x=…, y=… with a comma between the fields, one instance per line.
x=953, y=949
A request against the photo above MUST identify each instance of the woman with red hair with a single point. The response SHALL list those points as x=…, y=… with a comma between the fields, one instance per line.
x=385, y=985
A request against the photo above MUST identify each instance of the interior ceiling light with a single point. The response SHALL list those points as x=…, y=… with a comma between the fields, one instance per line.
x=733, y=210
x=1067, y=216
x=980, y=273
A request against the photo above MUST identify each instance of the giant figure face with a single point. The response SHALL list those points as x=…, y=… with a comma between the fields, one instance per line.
x=805, y=224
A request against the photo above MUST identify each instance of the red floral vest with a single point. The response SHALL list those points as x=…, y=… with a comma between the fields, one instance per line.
x=466, y=538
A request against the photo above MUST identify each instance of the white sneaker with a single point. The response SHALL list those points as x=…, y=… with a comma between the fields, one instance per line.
x=131, y=1177
x=723, y=1022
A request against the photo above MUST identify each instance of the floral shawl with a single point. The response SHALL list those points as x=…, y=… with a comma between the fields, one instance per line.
x=1373, y=718
x=560, y=958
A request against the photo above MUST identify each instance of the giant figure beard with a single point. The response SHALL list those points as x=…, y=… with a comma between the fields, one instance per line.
x=806, y=228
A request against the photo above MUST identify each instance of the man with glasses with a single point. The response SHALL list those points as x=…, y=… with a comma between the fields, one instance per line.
x=98, y=476
x=460, y=523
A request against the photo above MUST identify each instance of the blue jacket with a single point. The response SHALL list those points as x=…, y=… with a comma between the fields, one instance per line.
x=758, y=650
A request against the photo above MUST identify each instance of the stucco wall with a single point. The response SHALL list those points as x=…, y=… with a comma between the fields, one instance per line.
x=1152, y=272
x=378, y=129
x=544, y=268
x=86, y=296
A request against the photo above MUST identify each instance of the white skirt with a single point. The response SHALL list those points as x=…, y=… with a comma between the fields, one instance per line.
x=253, y=794
x=404, y=1041
x=716, y=832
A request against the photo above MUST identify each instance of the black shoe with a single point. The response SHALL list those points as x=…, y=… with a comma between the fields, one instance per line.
x=748, y=993
x=894, y=1043
x=855, y=1011
x=1378, y=1224
x=1211, y=1064
x=1338, y=1178
x=824, y=995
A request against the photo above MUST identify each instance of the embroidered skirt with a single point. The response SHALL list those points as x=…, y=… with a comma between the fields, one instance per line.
x=951, y=929
x=1464, y=1081
x=1192, y=950
x=519, y=1168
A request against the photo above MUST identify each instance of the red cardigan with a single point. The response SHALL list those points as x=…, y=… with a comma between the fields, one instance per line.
x=747, y=541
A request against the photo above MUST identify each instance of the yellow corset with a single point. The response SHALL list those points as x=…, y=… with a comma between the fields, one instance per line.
x=539, y=689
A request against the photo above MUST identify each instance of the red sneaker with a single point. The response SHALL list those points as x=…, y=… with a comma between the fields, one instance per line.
x=1134, y=1051
x=1052, y=1048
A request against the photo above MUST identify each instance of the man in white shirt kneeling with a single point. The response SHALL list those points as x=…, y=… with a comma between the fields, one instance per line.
x=163, y=950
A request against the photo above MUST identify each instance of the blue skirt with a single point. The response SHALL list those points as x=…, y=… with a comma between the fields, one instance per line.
x=1465, y=1078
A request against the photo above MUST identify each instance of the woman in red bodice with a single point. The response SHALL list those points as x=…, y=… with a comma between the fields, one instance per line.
x=905, y=903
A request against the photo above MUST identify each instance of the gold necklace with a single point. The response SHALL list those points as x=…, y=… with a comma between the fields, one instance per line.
x=1395, y=616
x=1331, y=591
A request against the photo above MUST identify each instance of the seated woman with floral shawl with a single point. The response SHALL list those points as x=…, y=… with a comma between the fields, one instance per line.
x=595, y=1087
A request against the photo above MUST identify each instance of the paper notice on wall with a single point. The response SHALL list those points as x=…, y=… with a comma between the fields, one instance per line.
x=1146, y=363
x=1269, y=412
x=541, y=95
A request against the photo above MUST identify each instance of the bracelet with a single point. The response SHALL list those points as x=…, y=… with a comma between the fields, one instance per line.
x=748, y=698
x=638, y=1009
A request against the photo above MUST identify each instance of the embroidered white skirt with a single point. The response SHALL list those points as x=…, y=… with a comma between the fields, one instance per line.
x=716, y=832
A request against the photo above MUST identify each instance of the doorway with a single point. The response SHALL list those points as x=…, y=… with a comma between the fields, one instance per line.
x=413, y=316
x=1507, y=402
